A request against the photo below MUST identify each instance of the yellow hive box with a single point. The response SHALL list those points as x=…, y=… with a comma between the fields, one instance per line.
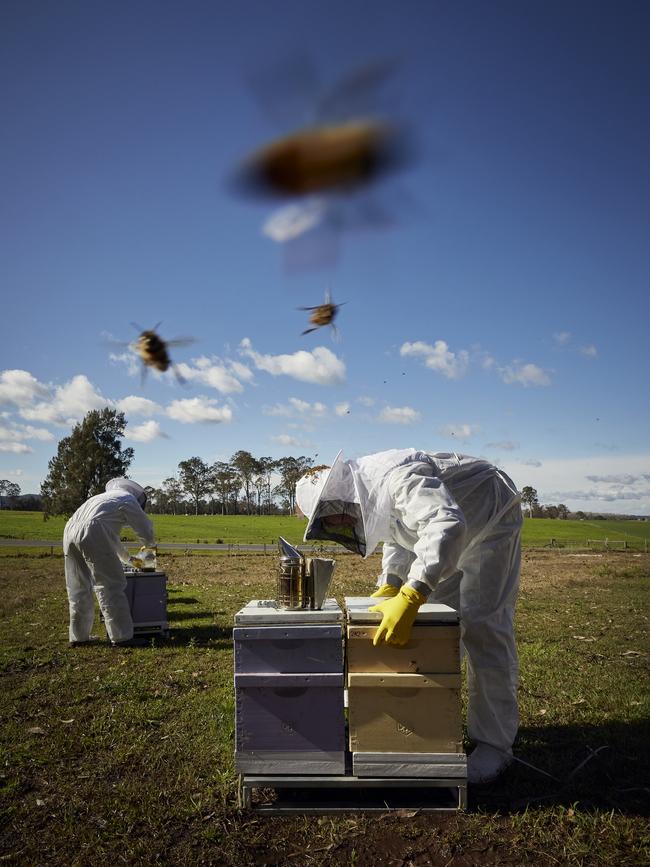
x=404, y=713
x=431, y=649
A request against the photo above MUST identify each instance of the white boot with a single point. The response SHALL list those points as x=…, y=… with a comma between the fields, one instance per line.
x=486, y=763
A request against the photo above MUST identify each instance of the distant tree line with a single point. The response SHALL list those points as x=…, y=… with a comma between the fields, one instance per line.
x=244, y=485
x=93, y=454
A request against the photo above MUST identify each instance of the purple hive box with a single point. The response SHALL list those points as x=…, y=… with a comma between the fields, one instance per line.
x=289, y=687
x=288, y=649
x=147, y=595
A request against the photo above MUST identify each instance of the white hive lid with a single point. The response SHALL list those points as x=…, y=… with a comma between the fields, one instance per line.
x=356, y=608
x=266, y=611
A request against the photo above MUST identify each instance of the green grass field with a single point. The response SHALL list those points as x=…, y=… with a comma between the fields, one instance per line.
x=241, y=529
x=126, y=756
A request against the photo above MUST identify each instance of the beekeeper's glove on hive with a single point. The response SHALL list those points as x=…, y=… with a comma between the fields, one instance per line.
x=399, y=613
x=385, y=591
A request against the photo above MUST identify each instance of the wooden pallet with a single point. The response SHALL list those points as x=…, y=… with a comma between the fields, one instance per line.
x=342, y=794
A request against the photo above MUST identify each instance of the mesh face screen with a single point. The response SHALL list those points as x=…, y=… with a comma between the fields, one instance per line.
x=350, y=535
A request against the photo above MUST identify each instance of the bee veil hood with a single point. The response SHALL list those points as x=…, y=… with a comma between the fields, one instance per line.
x=130, y=487
x=356, y=488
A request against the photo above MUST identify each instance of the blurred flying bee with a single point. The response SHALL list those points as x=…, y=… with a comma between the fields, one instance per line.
x=154, y=351
x=346, y=146
x=323, y=159
x=323, y=314
x=329, y=162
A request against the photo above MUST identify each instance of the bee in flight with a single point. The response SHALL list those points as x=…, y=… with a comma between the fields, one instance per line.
x=154, y=351
x=323, y=314
x=323, y=158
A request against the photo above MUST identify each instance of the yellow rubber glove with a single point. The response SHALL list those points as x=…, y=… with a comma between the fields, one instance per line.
x=385, y=591
x=399, y=613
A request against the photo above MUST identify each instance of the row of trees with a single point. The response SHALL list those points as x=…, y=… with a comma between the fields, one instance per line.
x=536, y=510
x=245, y=484
x=93, y=454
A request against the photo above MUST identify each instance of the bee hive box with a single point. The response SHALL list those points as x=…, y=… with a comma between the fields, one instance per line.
x=404, y=709
x=147, y=595
x=289, y=686
x=430, y=649
x=404, y=713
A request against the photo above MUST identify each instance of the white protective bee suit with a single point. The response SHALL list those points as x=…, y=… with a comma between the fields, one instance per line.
x=451, y=528
x=94, y=555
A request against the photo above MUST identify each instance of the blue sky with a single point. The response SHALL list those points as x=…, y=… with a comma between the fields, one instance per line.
x=503, y=313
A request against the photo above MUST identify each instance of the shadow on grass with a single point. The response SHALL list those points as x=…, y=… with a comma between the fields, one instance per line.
x=189, y=615
x=596, y=766
x=185, y=600
x=198, y=636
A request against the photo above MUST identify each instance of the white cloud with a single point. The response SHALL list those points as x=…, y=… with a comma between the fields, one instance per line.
x=364, y=400
x=20, y=387
x=342, y=408
x=129, y=359
x=531, y=462
x=460, y=431
x=320, y=366
x=399, y=415
x=15, y=447
x=487, y=361
x=286, y=440
x=439, y=357
x=145, y=432
x=241, y=371
x=562, y=337
x=588, y=483
x=589, y=351
x=198, y=409
x=296, y=408
x=224, y=376
x=524, y=374
x=135, y=405
x=18, y=433
x=69, y=404
x=278, y=409
x=623, y=479
x=504, y=445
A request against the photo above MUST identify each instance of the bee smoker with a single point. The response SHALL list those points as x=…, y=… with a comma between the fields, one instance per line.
x=302, y=582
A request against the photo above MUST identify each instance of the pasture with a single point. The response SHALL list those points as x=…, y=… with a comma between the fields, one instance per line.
x=261, y=529
x=126, y=756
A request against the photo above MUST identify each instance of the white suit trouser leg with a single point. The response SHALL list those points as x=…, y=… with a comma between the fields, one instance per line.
x=80, y=595
x=485, y=592
x=110, y=585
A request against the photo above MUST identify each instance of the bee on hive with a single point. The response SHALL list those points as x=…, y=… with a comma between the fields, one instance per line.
x=323, y=314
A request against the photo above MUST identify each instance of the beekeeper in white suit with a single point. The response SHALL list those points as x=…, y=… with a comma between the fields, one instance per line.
x=451, y=528
x=94, y=556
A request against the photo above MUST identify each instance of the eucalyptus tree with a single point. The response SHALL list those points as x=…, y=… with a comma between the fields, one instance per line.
x=195, y=477
x=248, y=467
x=85, y=461
x=227, y=482
x=290, y=470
